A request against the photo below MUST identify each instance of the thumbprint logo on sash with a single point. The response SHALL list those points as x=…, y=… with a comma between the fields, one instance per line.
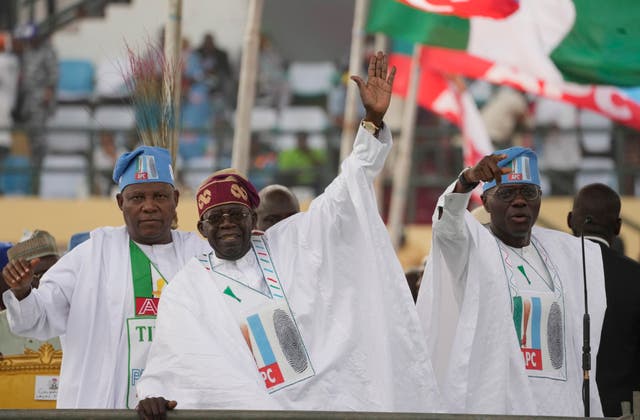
x=290, y=340
x=554, y=336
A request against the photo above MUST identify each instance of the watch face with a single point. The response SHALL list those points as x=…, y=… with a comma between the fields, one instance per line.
x=370, y=127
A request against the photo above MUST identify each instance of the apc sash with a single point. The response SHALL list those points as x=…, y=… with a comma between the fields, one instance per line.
x=147, y=287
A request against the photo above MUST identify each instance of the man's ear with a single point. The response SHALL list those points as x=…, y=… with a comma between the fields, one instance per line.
x=569, y=218
x=119, y=200
x=485, y=203
x=201, y=229
x=254, y=219
x=176, y=196
x=618, y=226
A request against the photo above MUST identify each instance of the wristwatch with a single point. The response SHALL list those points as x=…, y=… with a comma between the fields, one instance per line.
x=371, y=127
x=468, y=186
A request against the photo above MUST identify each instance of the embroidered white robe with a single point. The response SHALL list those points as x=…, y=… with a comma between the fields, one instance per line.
x=85, y=298
x=465, y=308
x=351, y=304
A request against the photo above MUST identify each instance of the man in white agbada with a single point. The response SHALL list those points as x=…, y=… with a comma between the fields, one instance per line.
x=314, y=314
x=502, y=304
x=102, y=297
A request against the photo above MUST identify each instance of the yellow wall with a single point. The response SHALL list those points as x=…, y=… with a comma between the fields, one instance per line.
x=62, y=218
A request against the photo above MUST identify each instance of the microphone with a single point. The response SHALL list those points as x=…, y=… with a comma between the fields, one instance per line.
x=586, y=330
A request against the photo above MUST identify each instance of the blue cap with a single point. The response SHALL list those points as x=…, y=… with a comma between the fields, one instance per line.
x=144, y=164
x=524, y=167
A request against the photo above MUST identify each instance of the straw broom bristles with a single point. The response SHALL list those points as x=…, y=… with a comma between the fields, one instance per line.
x=154, y=106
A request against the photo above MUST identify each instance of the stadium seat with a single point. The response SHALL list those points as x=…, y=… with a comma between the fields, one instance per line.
x=195, y=171
x=311, y=78
x=596, y=132
x=303, y=118
x=67, y=130
x=64, y=176
x=15, y=178
x=114, y=118
x=110, y=79
x=76, y=80
x=597, y=169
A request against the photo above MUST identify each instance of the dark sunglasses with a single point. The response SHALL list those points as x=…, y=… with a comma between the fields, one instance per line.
x=235, y=216
x=508, y=194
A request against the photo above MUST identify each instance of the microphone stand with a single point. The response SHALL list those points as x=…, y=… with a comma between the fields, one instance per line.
x=586, y=332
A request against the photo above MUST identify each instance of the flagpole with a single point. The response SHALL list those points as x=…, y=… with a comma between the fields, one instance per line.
x=355, y=66
x=402, y=170
x=247, y=88
x=172, y=77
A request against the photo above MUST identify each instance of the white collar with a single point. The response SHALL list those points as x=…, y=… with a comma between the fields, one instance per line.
x=597, y=239
x=247, y=259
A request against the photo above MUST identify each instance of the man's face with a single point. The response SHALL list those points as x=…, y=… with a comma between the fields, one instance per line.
x=148, y=210
x=228, y=229
x=514, y=210
x=271, y=212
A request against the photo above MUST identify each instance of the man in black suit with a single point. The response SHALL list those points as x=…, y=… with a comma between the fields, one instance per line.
x=596, y=214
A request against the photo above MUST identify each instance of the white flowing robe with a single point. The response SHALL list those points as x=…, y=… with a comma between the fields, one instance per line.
x=350, y=301
x=465, y=308
x=86, y=298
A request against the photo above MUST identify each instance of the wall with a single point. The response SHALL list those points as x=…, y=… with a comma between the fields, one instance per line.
x=62, y=218
x=99, y=39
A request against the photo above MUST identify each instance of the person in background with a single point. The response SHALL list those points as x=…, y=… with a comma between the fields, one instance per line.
x=302, y=165
x=37, y=83
x=102, y=296
x=277, y=202
x=596, y=215
x=40, y=251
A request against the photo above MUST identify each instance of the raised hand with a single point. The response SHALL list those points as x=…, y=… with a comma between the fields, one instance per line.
x=375, y=93
x=488, y=170
x=18, y=275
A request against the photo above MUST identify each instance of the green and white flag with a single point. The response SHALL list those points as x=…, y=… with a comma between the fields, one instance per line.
x=583, y=51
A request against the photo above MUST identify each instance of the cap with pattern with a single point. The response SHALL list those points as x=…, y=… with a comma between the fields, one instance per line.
x=40, y=244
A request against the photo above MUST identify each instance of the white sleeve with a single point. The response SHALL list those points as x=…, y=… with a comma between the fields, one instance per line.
x=43, y=313
x=451, y=239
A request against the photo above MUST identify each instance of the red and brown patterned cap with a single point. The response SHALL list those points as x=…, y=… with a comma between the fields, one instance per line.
x=226, y=186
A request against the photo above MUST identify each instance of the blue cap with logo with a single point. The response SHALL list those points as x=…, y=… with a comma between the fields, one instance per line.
x=144, y=164
x=524, y=167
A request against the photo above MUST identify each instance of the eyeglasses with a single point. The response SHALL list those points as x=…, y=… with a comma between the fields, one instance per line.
x=235, y=216
x=508, y=194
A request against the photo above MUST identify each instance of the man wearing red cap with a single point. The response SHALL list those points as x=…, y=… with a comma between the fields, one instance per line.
x=314, y=314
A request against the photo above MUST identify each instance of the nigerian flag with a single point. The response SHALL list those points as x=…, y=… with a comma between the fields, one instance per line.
x=583, y=51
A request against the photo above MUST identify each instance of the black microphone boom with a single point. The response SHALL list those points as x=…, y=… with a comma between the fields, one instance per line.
x=586, y=330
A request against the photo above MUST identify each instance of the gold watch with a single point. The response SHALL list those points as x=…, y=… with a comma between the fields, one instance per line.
x=370, y=127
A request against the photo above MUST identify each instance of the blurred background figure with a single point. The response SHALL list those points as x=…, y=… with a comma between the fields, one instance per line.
x=36, y=97
x=277, y=202
x=215, y=73
x=272, y=88
x=301, y=165
x=507, y=115
x=559, y=145
x=8, y=85
x=40, y=246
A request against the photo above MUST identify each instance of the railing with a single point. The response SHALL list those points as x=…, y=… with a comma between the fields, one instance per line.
x=262, y=415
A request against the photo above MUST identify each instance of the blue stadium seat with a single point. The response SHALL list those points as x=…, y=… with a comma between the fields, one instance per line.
x=76, y=80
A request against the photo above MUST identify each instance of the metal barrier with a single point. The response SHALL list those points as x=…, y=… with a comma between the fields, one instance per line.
x=263, y=415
